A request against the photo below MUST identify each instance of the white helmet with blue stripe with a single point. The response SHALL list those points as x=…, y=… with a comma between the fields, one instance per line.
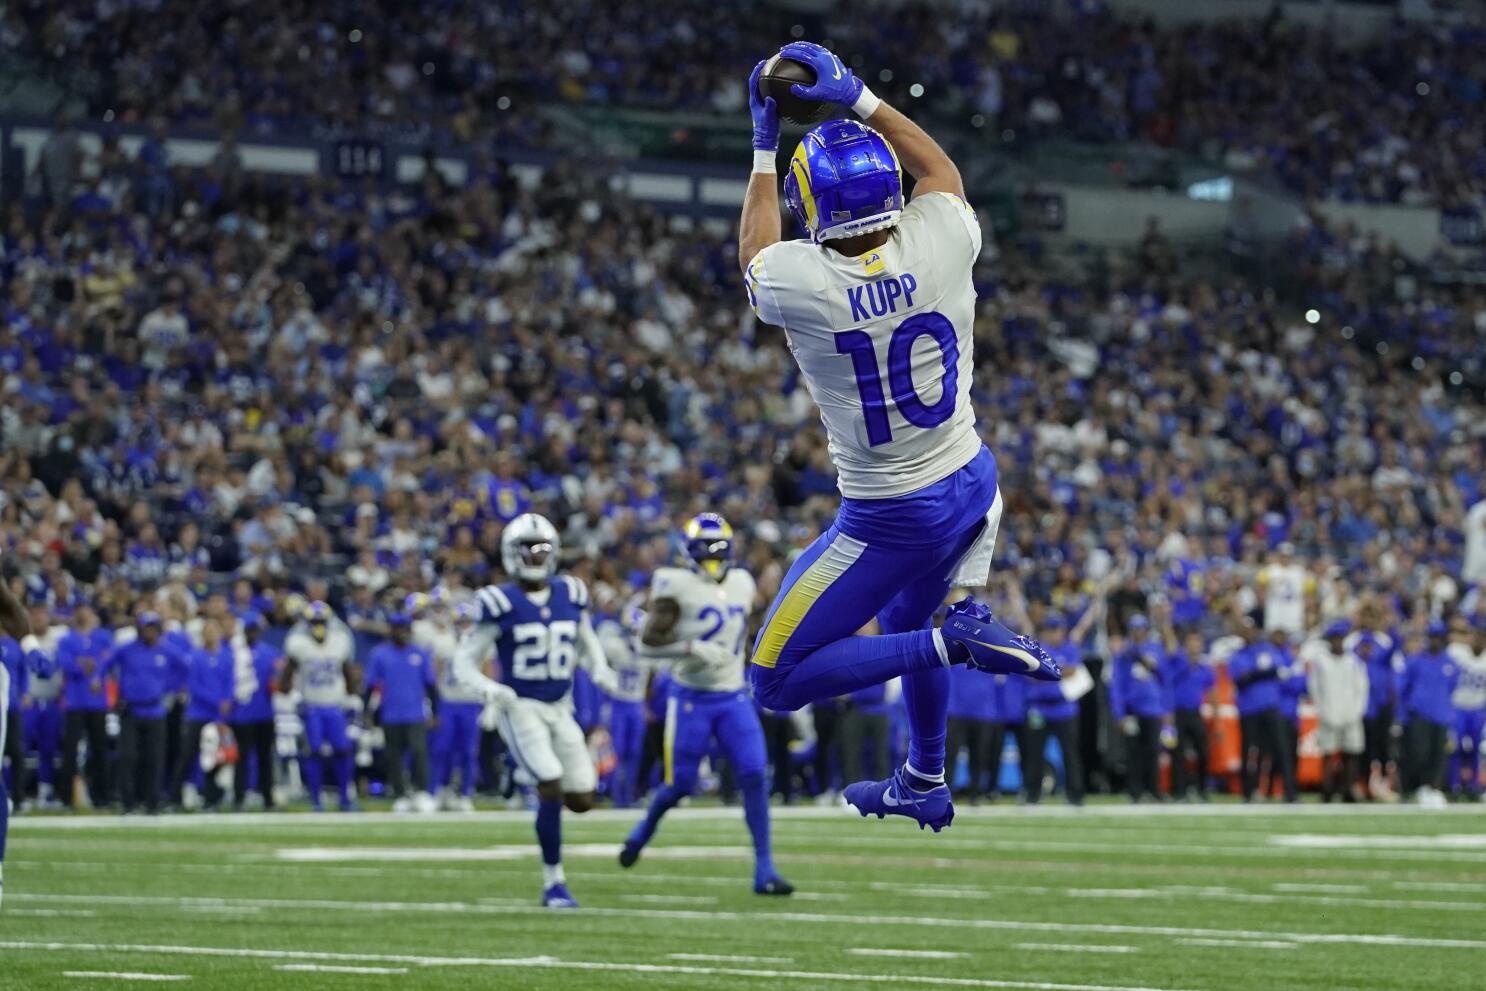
x=529, y=547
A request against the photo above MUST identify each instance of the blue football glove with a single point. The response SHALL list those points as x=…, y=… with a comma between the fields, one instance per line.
x=765, y=114
x=834, y=82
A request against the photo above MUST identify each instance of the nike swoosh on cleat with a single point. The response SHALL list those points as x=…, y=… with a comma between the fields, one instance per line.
x=1033, y=664
x=889, y=799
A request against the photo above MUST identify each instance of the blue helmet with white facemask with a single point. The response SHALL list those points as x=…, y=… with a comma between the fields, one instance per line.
x=843, y=181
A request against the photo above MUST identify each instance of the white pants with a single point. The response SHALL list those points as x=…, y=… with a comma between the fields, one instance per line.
x=548, y=744
x=1345, y=738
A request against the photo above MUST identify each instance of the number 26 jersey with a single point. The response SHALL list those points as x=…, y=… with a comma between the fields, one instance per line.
x=537, y=642
x=884, y=341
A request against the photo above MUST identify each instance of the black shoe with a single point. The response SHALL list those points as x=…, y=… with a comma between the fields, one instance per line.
x=629, y=855
x=773, y=886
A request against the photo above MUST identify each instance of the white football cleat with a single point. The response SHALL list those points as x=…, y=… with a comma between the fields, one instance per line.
x=404, y=804
x=424, y=803
x=464, y=804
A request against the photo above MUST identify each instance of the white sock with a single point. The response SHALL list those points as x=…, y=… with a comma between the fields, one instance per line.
x=941, y=648
x=552, y=874
x=938, y=779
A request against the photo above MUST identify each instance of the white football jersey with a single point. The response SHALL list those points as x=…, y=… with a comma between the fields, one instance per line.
x=321, y=678
x=716, y=612
x=884, y=341
x=619, y=648
x=1470, y=690
x=1285, y=589
x=439, y=639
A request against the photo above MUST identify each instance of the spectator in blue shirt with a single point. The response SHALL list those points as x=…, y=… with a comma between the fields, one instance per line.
x=82, y=654
x=404, y=675
x=148, y=669
x=1293, y=688
x=1191, y=679
x=209, y=686
x=866, y=728
x=1140, y=701
x=981, y=708
x=252, y=713
x=1378, y=649
x=1051, y=714
x=1256, y=670
x=13, y=658
x=1429, y=679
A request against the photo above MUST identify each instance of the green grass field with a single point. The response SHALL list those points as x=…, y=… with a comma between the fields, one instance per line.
x=1219, y=898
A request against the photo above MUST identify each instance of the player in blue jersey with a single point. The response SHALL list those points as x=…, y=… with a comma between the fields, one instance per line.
x=877, y=303
x=539, y=627
x=16, y=625
x=697, y=623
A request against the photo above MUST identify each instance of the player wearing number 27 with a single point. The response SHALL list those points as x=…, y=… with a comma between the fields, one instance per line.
x=697, y=622
x=539, y=627
x=878, y=307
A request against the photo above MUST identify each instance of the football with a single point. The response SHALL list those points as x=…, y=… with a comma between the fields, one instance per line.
x=779, y=75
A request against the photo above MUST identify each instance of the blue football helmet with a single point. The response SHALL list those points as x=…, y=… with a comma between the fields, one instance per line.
x=709, y=544
x=843, y=181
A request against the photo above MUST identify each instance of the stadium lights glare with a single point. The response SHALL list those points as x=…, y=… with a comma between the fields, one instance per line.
x=1312, y=316
x=916, y=90
x=355, y=36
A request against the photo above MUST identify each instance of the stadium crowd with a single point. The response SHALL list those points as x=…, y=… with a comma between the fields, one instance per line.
x=228, y=396
x=1393, y=119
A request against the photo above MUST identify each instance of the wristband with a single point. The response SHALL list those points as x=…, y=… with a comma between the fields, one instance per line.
x=764, y=161
x=866, y=105
x=30, y=643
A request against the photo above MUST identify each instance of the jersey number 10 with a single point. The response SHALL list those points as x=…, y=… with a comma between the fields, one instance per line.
x=858, y=344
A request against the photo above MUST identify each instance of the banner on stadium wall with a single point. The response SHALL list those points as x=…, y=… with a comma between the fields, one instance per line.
x=1463, y=227
x=358, y=158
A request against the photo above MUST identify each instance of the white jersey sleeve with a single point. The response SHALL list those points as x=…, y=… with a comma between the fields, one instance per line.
x=884, y=341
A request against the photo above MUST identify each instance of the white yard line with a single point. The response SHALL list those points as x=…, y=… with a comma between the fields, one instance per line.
x=1321, y=889
x=1472, y=886
x=124, y=975
x=259, y=863
x=509, y=851
x=334, y=822
x=1365, y=841
x=1294, y=894
x=1250, y=944
x=52, y=913
x=1077, y=947
x=550, y=963
x=670, y=899
x=325, y=968
x=873, y=951
x=726, y=958
x=760, y=917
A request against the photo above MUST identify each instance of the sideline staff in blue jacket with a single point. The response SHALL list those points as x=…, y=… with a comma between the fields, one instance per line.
x=148, y=669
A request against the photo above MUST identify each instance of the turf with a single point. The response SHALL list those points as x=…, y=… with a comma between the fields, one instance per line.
x=1220, y=898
